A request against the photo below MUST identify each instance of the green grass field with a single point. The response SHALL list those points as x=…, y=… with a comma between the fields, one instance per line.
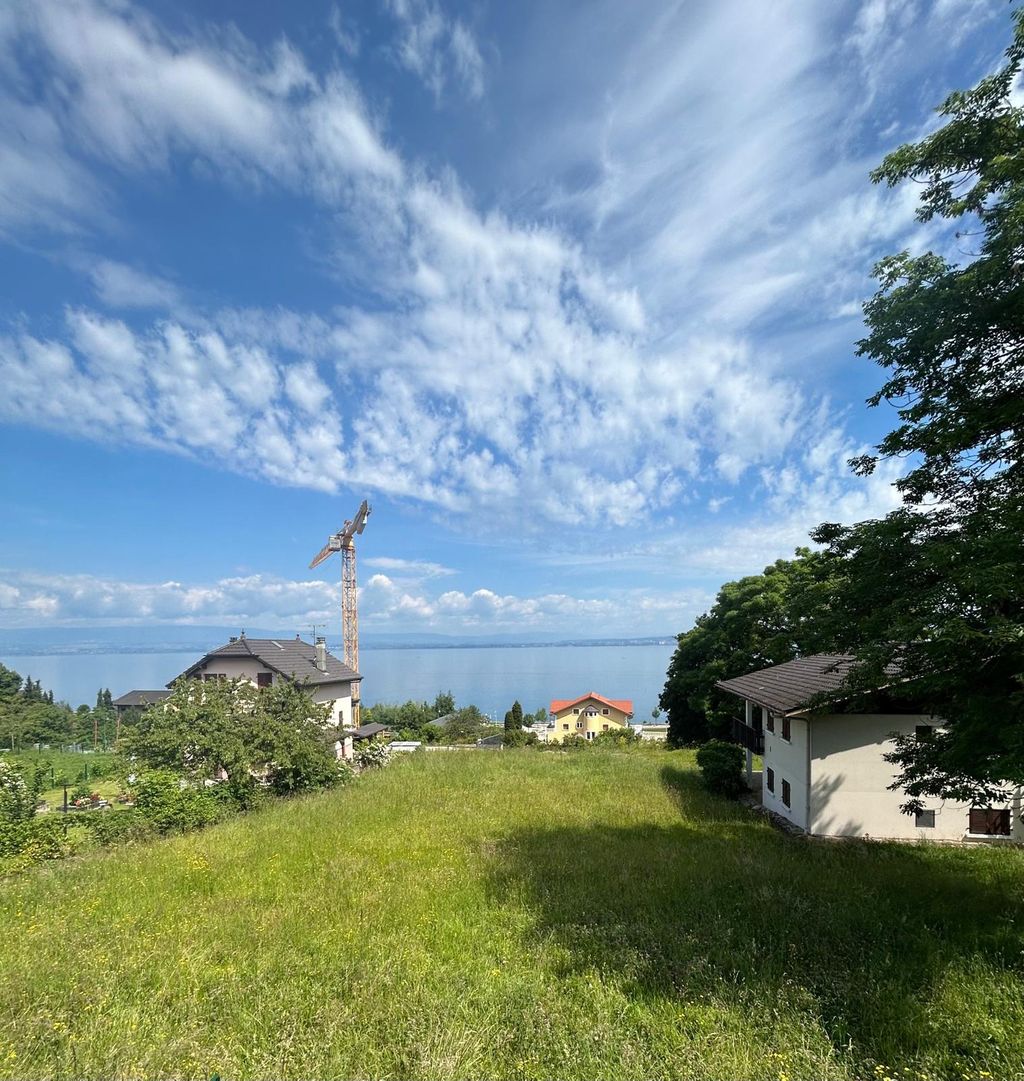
x=510, y=915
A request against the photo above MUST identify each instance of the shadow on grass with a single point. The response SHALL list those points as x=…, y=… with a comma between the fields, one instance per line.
x=859, y=938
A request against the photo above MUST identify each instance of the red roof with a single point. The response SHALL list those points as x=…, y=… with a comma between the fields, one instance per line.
x=625, y=705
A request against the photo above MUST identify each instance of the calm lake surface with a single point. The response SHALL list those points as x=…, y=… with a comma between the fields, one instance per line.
x=489, y=678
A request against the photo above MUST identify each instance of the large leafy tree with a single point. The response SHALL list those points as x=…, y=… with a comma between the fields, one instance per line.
x=276, y=734
x=934, y=591
x=754, y=622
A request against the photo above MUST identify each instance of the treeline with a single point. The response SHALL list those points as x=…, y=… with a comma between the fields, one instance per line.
x=930, y=597
x=29, y=715
x=413, y=720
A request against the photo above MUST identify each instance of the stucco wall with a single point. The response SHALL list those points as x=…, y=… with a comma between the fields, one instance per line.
x=614, y=719
x=850, y=778
x=788, y=758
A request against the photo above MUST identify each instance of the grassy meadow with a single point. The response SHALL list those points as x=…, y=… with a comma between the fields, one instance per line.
x=515, y=915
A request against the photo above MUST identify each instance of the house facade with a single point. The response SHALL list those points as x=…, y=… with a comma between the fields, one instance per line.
x=587, y=716
x=826, y=771
x=266, y=661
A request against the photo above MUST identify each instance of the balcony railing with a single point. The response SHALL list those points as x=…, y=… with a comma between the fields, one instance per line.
x=746, y=736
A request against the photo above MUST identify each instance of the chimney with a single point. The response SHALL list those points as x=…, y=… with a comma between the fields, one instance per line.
x=321, y=654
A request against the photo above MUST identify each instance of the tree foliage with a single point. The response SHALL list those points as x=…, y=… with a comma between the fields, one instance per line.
x=754, y=622
x=273, y=736
x=935, y=589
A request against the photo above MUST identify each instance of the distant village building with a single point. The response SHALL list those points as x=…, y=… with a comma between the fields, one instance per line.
x=656, y=733
x=587, y=716
x=138, y=700
x=266, y=661
x=825, y=769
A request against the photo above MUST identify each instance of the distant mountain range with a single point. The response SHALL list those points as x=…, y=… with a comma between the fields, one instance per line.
x=37, y=641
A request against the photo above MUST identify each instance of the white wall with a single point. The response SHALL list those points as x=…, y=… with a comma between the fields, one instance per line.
x=850, y=778
x=788, y=758
x=339, y=694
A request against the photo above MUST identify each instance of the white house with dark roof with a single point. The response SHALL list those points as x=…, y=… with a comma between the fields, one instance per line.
x=824, y=768
x=265, y=661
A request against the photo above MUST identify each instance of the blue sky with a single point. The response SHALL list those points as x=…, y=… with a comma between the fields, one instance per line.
x=569, y=291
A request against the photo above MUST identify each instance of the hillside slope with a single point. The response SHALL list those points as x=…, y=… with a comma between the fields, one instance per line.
x=514, y=915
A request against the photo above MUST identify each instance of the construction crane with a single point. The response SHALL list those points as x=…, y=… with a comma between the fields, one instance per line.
x=344, y=541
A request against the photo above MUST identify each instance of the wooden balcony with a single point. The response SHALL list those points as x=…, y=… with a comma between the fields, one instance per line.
x=746, y=736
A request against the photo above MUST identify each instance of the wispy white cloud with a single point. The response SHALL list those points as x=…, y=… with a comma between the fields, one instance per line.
x=440, y=50
x=121, y=286
x=415, y=569
x=589, y=372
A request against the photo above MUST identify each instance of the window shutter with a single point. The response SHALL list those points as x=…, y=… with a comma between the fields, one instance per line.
x=989, y=822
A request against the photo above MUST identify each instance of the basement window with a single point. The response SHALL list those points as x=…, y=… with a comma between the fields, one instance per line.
x=989, y=822
x=770, y=779
x=925, y=820
x=787, y=794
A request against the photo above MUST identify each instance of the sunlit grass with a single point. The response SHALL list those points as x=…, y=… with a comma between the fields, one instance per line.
x=514, y=914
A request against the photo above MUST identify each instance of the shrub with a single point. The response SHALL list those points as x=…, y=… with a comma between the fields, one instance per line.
x=721, y=764
x=118, y=827
x=17, y=795
x=31, y=841
x=371, y=754
x=169, y=807
x=617, y=737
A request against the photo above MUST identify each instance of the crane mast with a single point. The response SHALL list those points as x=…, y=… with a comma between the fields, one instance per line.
x=344, y=542
x=350, y=607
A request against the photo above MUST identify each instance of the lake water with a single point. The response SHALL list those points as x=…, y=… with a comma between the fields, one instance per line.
x=489, y=678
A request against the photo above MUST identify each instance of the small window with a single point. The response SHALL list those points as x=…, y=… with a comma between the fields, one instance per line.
x=264, y=679
x=565, y=727
x=579, y=724
x=771, y=722
x=923, y=731
x=787, y=733
x=925, y=820
x=590, y=735
x=989, y=822
x=605, y=712
x=770, y=779
x=786, y=794
x=575, y=711
x=604, y=728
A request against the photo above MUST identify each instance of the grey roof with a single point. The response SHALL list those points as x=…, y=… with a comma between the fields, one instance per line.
x=366, y=731
x=441, y=722
x=787, y=688
x=291, y=657
x=141, y=698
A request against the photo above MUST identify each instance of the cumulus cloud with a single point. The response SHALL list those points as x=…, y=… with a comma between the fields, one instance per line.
x=29, y=599
x=176, y=389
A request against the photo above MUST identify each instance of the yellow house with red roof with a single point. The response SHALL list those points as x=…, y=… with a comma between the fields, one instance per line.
x=588, y=716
